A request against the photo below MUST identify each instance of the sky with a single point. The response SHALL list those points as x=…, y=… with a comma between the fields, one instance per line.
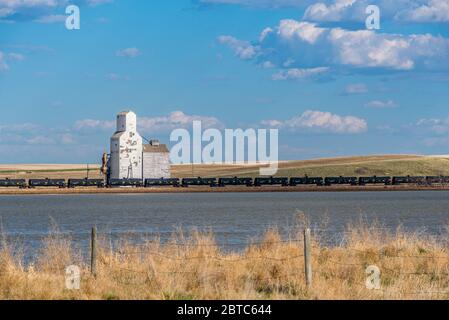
x=308, y=68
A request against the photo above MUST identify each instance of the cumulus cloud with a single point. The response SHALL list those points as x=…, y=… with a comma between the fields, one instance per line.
x=17, y=128
x=337, y=11
x=175, y=120
x=378, y=104
x=431, y=11
x=97, y=2
x=7, y=57
x=242, y=49
x=295, y=73
x=30, y=134
x=163, y=124
x=422, y=11
x=94, y=125
x=51, y=18
x=353, y=10
x=39, y=10
x=305, y=45
x=355, y=88
x=129, y=52
x=320, y=121
x=434, y=125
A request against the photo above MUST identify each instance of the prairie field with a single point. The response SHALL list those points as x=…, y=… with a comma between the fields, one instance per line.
x=389, y=165
x=194, y=267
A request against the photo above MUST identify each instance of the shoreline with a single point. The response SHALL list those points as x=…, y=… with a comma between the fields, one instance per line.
x=229, y=189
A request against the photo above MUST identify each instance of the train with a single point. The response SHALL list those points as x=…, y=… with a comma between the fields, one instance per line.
x=224, y=182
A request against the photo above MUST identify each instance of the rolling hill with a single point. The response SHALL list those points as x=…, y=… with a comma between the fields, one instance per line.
x=390, y=165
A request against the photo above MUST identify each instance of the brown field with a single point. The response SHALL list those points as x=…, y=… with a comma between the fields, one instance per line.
x=355, y=166
x=413, y=266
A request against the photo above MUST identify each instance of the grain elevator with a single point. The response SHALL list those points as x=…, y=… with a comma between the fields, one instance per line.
x=130, y=158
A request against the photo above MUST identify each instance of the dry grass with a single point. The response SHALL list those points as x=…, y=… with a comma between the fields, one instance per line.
x=413, y=267
x=348, y=166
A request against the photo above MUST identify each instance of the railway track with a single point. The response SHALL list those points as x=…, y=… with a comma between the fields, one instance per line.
x=284, y=183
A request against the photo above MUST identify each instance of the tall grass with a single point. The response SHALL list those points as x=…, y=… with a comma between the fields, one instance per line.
x=413, y=266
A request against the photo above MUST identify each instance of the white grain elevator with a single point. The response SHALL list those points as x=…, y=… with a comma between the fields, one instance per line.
x=130, y=158
x=126, y=148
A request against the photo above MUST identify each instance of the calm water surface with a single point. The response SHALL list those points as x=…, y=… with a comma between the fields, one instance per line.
x=234, y=217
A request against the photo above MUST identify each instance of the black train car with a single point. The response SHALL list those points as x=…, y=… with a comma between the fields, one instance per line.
x=18, y=183
x=56, y=183
x=329, y=181
x=222, y=182
x=211, y=182
x=125, y=183
x=272, y=181
x=294, y=181
x=161, y=182
x=73, y=183
x=409, y=180
x=374, y=180
x=437, y=180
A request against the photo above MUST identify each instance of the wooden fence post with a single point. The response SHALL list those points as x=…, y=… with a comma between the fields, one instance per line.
x=93, y=252
x=308, y=257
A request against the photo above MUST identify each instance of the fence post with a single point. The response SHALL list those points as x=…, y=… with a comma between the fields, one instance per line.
x=308, y=257
x=93, y=252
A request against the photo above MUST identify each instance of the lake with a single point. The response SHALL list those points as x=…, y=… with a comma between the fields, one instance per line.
x=234, y=217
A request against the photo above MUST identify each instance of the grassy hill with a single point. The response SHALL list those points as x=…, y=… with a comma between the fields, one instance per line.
x=390, y=165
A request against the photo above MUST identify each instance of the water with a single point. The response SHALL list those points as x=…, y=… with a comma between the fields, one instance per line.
x=234, y=217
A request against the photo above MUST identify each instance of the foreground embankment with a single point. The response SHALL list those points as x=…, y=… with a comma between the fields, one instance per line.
x=230, y=189
x=410, y=266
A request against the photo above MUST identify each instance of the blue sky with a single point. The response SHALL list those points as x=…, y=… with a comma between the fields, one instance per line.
x=309, y=68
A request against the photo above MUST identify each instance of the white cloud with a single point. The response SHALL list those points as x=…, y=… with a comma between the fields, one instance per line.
x=94, y=3
x=10, y=7
x=321, y=122
x=290, y=29
x=39, y=10
x=304, y=45
x=267, y=65
x=16, y=128
x=16, y=56
x=129, y=53
x=378, y=104
x=40, y=140
x=52, y=18
x=322, y=12
x=3, y=65
x=175, y=120
x=434, y=125
x=162, y=124
x=67, y=138
x=356, y=88
x=30, y=134
x=94, y=125
x=422, y=11
x=432, y=11
x=242, y=49
x=295, y=73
